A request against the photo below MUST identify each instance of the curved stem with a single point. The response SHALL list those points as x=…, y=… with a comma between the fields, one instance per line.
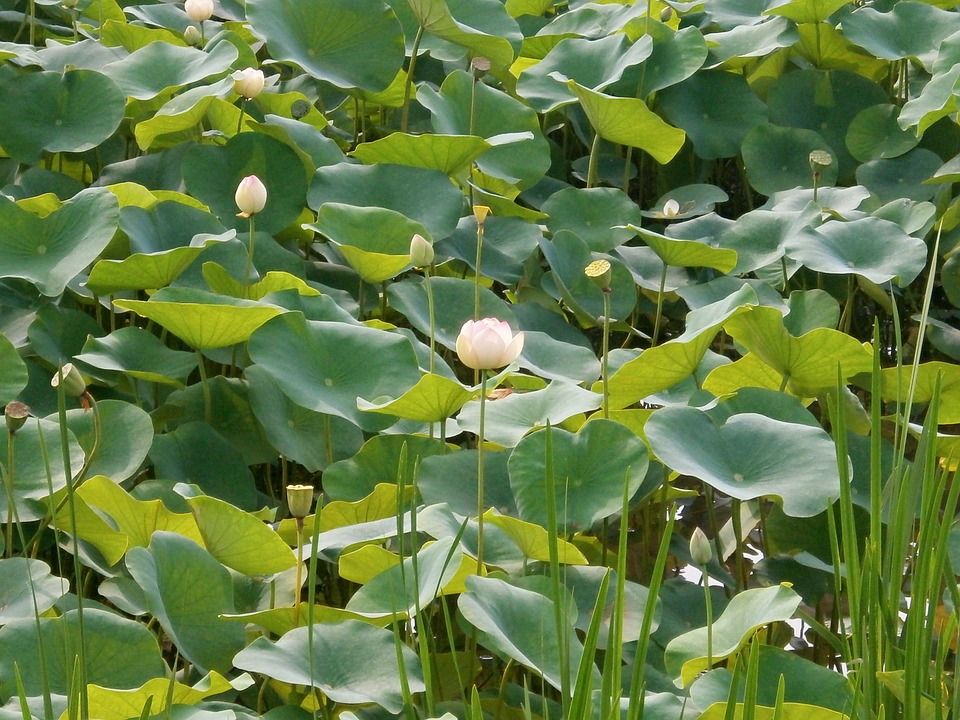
x=594, y=162
x=481, y=505
x=243, y=102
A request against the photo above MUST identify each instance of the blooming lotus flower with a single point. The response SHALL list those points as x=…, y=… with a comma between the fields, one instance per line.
x=248, y=83
x=488, y=344
x=199, y=10
x=671, y=208
x=251, y=196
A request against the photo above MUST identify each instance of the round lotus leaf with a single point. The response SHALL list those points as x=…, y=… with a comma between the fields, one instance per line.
x=591, y=214
x=482, y=26
x=119, y=653
x=692, y=200
x=326, y=366
x=507, y=243
x=451, y=478
x=212, y=174
x=125, y=436
x=759, y=236
x=152, y=69
x=392, y=187
x=738, y=46
x=874, y=133
x=56, y=112
x=901, y=177
x=50, y=251
x=348, y=43
x=826, y=103
x=716, y=109
x=352, y=662
x=794, y=464
x=447, y=153
x=13, y=371
x=138, y=354
x=877, y=249
x=589, y=478
x=187, y=590
x=463, y=107
x=591, y=63
x=27, y=589
x=908, y=30
x=677, y=54
x=778, y=158
x=808, y=11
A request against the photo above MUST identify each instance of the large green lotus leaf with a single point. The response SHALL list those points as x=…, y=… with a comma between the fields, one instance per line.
x=591, y=214
x=27, y=589
x=13, y=371
x=164, y=225
x=187, y=590
x=326, y=366
x=125, y=437
x=507, y=243
x=299, y=434
x=434, y=398
x=749, y=456
x=57, y=112
x=238, y=539
x=584, y=586
x=451, y=479
x=716, y=109
x=375, y=241
x=348, y=43
x=50, y=251
x=534, y=540
x=118, y=652
x=895, y=384
x=149, y=71
x=400, y=590
x=378, y=461
x=826, y=103
x=589, y=478
x=37, y=453
x=453, y=306
x=901, y=177
x=874, y=133
x=447, y=153
x=568, y=255
x=877, y=249
x=593, y=20
x=558, y=359
x=809, y=11
x=134, y=521
x=736, y=47
x=463, y=107
x=778, y=158
x=788, y=711
x=179, y=118
x=747, y=372
x=212, y=174
x=392, y=187
x=936, y=100
x=352, y=662
x=592, y=63
x=25, y=53
x=804, y=682
x=159, y=694
x=510, y=418
x=687, y=253
x=59, y=332
x=140, y=271
x=628, y=121
x=908, y=30
x=222, y=282
x=663, y=366
x=139, y=354
x=686, y=656
x=195, y=453
x=201, y=319
x=808, y=364
x=694, y=200
x=482, y=26
x=677, y=54
x=521, y=624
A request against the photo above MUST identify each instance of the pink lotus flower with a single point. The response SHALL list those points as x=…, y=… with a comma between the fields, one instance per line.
x=488, y=344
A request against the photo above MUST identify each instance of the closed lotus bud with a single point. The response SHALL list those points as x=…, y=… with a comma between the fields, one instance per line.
x=299, y=500
x=15, y=414
x=480, y=212
x=666, y=14
x=488, y=344
x=248, y=83
x=670, y=208
x=600, y=273
x=421, y=251
x=192, y=35
x=199, y=10
x=73, y=382
x=251, y=196
x=700, y=550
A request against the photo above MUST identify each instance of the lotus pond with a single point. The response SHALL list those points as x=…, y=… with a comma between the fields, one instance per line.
x=479, y=359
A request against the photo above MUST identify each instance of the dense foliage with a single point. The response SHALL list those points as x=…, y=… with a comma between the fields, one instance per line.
x=380, y=358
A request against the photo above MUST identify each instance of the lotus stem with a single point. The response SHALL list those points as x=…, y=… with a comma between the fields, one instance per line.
x=605, y=357
x=480, y=489
x=407, y=86
x=250, y=247
x=659, y=316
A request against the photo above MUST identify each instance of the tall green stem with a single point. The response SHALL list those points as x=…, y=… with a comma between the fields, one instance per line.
x=250, y=247
x=659, y=317
x=408, y=85
x=604, y=360
x=594, y=162
x=205, y=387
x=243, y=102
x=708, y=602
x=481, y=505
x=476, y=269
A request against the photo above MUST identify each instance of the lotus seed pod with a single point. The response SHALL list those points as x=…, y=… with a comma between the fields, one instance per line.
x=15, y=414
x=299, y=500
x=73, y=382
x=600, y=273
